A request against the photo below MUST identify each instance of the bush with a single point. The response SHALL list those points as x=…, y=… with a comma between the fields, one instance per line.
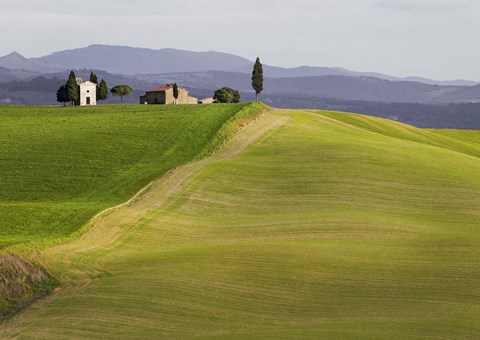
x=227, y=95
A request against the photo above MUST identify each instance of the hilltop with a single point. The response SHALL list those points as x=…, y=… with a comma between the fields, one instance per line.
x=421, y=105
x=413, y=100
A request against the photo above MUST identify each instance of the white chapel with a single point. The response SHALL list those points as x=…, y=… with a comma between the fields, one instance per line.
x=88, y=92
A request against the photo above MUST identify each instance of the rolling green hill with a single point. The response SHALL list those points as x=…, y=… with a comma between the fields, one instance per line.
x=61, y=166
x=305, y=225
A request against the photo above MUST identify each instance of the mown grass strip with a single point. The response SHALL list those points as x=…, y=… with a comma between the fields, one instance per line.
x=241, y=119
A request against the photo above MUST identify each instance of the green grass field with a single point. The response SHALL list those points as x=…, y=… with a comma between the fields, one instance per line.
x=61, y=166
x=305, y=225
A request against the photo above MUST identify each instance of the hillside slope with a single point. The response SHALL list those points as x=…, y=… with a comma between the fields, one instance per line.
x=61, y=166
x=306, y=225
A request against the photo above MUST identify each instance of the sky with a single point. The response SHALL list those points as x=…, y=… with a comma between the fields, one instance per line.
x=437, y=39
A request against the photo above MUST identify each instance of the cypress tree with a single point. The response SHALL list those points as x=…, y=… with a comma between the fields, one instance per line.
x=257, y=78
x=94, y=79
x=73, y=91
x=175, y=92
x=102, y=90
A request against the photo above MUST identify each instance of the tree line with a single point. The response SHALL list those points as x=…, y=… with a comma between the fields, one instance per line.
x=70, y=92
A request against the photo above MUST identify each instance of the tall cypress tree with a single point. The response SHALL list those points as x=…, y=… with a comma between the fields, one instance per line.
x=94, y=79
x=73, y=90
x=102, y=90
x=175, y=92
x=257, y=78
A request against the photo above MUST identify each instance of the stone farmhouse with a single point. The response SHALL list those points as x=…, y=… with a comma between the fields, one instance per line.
x=88, y=92
x=164, y=95
x=206, y=101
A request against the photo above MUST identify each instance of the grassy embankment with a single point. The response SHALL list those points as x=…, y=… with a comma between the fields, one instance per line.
x=61, y=166
x=306, y=225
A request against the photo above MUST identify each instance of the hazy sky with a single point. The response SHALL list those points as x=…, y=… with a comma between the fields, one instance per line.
x=431, y=38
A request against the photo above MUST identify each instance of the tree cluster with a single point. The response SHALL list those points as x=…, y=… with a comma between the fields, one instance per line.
x=102, y=89
x=227, y=95
x=70, y=92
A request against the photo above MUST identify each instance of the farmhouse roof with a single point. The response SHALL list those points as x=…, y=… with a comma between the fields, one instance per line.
x=161, y=89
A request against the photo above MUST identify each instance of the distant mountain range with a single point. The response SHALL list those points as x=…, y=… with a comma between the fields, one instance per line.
x=133, y=61
x=7, y=75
